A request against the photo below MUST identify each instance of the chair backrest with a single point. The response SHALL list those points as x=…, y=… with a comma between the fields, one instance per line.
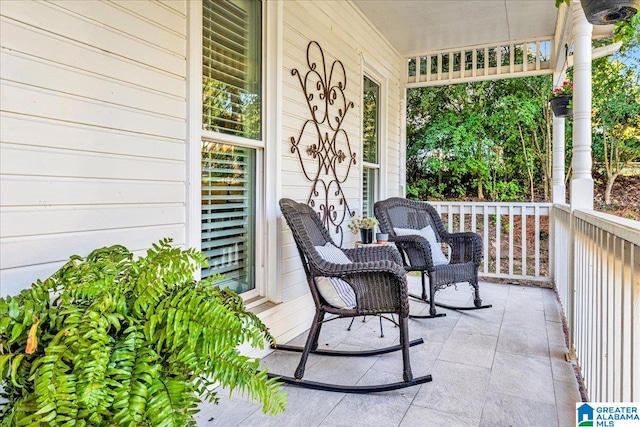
x=397, y=212
x=307, y=230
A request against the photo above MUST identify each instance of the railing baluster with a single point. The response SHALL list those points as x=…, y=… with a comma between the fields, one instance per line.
x=617, y=351
x=474, y=223
x=474, y=62
x=523, y=236
x=512, y=58
x=511, y=227
x=634, y=356
x=485, y=239
x=593, y=260
x=608, y=389
x=600, y=343
x=537, y=240
x=486, y=61
x=498, y=238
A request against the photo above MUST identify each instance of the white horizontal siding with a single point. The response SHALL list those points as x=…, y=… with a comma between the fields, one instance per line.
x=42, y=247
x=135, y=26
x=45, y=132
x=98, y=32
x=92, y=142
x=33, y=191
x=35, y=221
x=38, y=43
x=35, y=101
x=38, y=73
x=343, y=35
x=65, y=163
x=156, y=13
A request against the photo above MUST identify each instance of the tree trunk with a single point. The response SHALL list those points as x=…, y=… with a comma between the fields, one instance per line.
x=607, y=191
x=526, y=160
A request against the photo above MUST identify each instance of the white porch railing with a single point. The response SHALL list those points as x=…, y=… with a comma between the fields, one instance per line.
x=594, y=260
x=516, y=236
x=482, y=62
x=598, y=281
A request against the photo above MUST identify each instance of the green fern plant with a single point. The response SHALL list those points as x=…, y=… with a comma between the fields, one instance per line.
x=113, y=340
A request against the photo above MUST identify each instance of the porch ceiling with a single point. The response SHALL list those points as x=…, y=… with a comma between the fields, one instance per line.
x=418, y=26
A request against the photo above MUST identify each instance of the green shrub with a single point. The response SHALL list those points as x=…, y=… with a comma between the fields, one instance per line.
x=112, y=340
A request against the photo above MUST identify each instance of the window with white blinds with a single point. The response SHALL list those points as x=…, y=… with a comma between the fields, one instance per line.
x=231, y=105
x=228, y=214
x=370, y=144
x=231, y=67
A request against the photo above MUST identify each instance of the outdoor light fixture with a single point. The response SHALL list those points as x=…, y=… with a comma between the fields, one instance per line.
x=604, y=12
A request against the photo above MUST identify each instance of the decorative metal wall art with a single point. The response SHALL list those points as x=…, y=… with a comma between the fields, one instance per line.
x=329, y=156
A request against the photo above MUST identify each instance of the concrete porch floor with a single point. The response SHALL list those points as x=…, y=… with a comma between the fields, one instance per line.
x=502, y=366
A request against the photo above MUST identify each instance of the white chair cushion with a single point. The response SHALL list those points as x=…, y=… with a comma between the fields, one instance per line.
x=336, y=292
x=439, y=258
x=332, y=254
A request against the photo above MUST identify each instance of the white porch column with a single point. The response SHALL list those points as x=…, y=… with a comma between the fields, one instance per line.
x=558, y=191
x=582, y=181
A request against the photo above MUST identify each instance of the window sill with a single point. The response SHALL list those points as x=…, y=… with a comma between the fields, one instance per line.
x=259, y=305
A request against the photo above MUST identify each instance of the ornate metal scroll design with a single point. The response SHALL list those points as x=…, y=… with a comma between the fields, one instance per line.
x=329, y=156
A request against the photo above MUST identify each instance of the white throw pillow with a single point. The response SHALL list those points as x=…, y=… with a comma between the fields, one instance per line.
x=333, y=254
x=336, y=292
x=438, y=257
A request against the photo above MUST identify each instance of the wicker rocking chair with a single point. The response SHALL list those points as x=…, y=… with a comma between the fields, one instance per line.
x=373, y=276
x=406, y=222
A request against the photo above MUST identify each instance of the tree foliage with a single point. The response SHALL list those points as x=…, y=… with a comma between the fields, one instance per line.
x=616, y=118
x=483, y=138
x=112, y=340
x=495, y=137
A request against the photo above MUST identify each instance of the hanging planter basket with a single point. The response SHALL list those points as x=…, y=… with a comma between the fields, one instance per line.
x=559, y=106
x=605, y=12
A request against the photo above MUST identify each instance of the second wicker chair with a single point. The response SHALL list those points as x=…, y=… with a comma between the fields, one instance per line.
x=410, y=225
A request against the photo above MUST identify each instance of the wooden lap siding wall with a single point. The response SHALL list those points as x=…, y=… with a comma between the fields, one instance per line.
x=93, y=100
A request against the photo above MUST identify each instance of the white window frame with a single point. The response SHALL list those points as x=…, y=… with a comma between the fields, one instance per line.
x=195, y=135
x=381, y=186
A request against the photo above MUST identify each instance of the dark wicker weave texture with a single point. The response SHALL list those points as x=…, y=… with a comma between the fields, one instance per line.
x=376, y=275
x=466, y=248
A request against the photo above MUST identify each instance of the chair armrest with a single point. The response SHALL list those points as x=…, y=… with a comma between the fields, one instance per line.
x=380, y=286
x=417, y=251
x=465, y=247
x=329, y=269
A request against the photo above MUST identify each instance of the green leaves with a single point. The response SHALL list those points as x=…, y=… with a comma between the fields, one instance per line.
x=124, y=341
x=466, y=140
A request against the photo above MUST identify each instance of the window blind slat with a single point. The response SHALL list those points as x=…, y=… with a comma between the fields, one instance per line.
x=231, y=53
x=228, y=213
